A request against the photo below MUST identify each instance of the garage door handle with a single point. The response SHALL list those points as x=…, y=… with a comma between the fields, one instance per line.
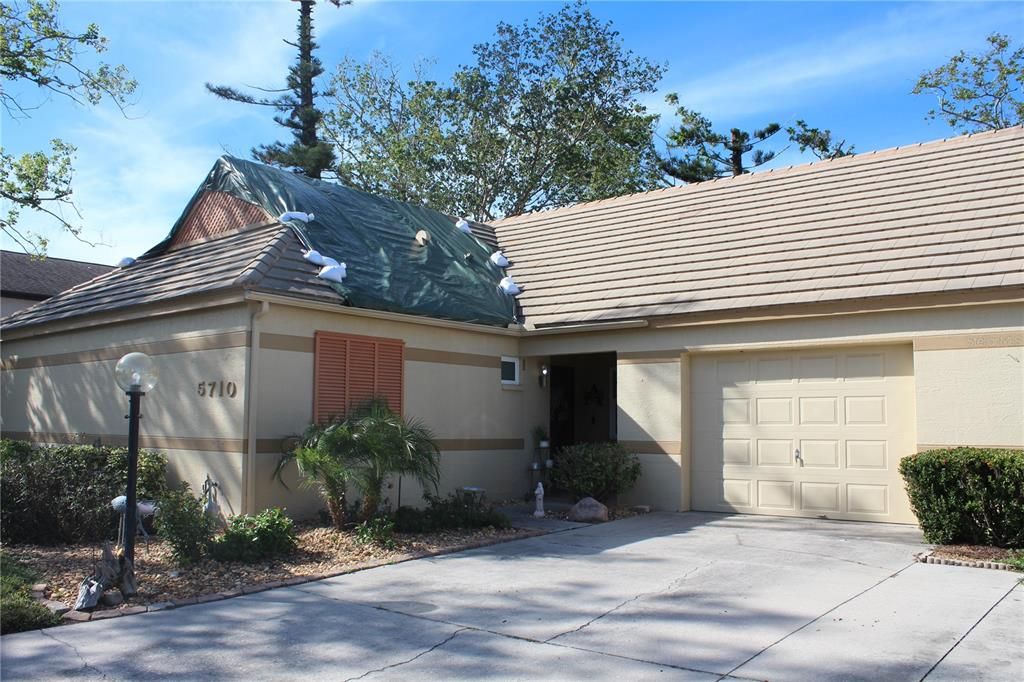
x=796, y=455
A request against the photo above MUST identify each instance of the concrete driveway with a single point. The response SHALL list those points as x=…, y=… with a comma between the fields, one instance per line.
x=667, y=596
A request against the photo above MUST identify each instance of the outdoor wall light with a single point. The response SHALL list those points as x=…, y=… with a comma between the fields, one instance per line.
x=543, y=378
x=136, y=374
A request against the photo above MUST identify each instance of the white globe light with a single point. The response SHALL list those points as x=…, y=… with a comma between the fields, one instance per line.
x=136, y=372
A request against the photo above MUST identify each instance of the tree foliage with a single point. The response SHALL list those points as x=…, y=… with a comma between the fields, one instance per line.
x=36, y=49
x=704, y=154
x=306, y=153
x=978, y=91
x=547, y=115
x=819, y=142
x=695, y=152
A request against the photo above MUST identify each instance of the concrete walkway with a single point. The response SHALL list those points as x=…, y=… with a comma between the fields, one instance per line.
x=668, y=596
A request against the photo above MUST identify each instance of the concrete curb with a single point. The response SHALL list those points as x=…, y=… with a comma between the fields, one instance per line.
x=929, y=558
x=69, y=616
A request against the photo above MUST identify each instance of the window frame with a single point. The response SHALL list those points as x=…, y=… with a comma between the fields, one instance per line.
x=518, y=364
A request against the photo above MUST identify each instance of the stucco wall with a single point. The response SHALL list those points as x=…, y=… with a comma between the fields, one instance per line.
x=970, y=395
x=451, y=382
x=965, y=394
x=60, y=388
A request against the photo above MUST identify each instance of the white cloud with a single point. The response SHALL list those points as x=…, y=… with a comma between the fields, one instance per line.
x=785, y=77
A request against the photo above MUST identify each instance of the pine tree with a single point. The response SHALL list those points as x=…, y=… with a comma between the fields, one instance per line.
x=306, y=153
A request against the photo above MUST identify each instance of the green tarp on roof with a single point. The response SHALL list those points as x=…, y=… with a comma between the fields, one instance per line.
x=375, y=238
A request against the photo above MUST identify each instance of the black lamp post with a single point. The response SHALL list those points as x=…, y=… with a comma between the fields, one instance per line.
x=135, y=374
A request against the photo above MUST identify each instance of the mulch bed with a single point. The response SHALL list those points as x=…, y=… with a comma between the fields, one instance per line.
x=973, y=553
x=322, y=552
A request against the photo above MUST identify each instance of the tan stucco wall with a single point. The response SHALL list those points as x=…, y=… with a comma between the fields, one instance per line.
x=970, y=396
x=79, y=400
x=463, y=404
x=964, y=395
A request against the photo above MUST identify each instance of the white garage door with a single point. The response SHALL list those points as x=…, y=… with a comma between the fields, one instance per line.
x=808, y=433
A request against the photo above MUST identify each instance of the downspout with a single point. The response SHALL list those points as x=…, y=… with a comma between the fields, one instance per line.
x=251, y=393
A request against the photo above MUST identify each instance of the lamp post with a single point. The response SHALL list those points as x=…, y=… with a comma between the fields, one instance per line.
x=136, y=374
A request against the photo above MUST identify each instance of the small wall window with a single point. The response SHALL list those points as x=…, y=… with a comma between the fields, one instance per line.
x=510, y=370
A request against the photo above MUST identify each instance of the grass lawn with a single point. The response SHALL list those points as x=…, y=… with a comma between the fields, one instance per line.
x=18, y=610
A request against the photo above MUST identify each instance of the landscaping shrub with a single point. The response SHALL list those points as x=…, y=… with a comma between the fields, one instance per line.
x=968, y=495
x=598, y=470
x=379, y=531
x=460, y=509
x=61, y=494
x=252, y=538
x=181, y=521
x=19, y=610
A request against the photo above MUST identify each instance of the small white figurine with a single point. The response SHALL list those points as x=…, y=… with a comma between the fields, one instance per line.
x=539, y=492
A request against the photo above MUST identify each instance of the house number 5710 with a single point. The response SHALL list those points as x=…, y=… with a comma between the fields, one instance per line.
x=218, y=389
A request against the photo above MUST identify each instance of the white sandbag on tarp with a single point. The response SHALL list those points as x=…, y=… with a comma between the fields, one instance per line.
x=498, y=258
x=126, y=262
x=463, y=225
x=422, y=237
x=328, y=261
x=295, y=215
x=314, y=257
x=508, y=286
x=333, y=273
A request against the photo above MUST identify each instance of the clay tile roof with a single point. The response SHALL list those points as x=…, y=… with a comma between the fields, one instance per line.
x=937, y=217
x=262, y=258
x=23, y=276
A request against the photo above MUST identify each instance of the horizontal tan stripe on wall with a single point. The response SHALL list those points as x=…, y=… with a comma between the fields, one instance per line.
x=451, y=358
x=299, y=344
x=185, y=345
x=647, y=357
x=964, y=341
x=466, y=444
x=304, y=344
x=232, y=445
x=652, y=447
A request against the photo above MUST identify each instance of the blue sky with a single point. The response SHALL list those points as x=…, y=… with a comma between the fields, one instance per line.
x=844, y=66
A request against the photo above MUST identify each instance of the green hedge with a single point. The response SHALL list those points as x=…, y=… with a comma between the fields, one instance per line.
x=598, y=470
x=61, y=494
x=968, y=495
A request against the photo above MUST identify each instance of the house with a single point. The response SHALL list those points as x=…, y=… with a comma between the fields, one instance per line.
x=25, y=280
x=768, y=344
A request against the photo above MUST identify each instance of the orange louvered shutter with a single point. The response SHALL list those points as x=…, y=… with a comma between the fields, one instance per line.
x=349, y=370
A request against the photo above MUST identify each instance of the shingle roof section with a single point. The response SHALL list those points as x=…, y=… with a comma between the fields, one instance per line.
x=929, y=218
x=262, y=258
x=27, y=277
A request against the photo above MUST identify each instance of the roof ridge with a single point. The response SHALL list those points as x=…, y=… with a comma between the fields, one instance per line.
x=267, y=258
x=756, y=175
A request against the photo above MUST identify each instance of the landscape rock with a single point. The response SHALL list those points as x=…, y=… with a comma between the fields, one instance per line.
x=588, y=510
x=57, y=607
x=112, y=598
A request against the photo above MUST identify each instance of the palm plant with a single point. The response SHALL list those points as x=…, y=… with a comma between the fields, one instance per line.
x=327, y=459
x=390, y=445
x=363, y=450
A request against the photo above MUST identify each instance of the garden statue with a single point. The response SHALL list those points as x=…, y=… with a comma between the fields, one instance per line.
x=539, y=493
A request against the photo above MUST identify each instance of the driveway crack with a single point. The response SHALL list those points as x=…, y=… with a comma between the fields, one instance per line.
x=85, y=663
x=820, y=616
x=671, y=586
x=969, y=630
x=410, y=660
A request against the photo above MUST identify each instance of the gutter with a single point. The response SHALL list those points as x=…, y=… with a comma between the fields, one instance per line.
x=250, y=412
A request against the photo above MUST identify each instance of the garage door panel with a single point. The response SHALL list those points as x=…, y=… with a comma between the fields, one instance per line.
x=848, y=413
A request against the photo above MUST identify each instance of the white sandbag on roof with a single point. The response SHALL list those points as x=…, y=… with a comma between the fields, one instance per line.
x=126, y=262
x=463, y=225
x=295, y=215
x=328, y=261
x=498, y=258
x=333, y=273
x=314, y=257
x=422, y=237
x=508, y=286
